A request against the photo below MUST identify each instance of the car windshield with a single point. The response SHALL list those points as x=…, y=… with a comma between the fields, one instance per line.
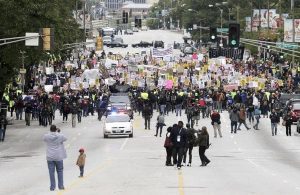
x=117, y=118
x=119, y=99
x=296, y=106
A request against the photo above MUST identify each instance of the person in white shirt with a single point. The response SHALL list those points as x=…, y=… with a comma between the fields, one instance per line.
x=55, y=154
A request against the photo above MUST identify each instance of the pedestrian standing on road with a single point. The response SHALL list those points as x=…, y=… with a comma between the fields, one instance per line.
x=257, y=114
x=147, y=114
x=74, y=111
x=203, y=141
x=28, y=111
x=216, y=122
x=275, y=119
x=81, y=161
x=178, y=137
x=3, y=124
x=234, y=118
x=56, y=153
x=160, y=124
x=288, y=123
x=191, y=140
x=169, y=147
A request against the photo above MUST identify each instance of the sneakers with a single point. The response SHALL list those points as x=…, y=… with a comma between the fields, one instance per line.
x=189, y=165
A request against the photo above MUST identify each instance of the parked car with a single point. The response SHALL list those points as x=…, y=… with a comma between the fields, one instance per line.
x=135, y=29
x=295, y=109
x=128, y=32
x=158, y=44
x=142, y=44
x=116, y=44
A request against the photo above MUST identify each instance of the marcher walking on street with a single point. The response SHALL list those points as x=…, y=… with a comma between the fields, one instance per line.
x=56, y=153
x=242, y=118
x=203, y=141
x=288, y=123
x=257, y=114
x=3, y=124
x=81, y=161
x=234, y=118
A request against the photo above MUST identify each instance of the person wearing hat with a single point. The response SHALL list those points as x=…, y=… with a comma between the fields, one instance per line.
x=81, y=161
x=56, y=153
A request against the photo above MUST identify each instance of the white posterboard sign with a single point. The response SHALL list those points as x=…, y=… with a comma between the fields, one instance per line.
x=32, y=39
x=48, y=88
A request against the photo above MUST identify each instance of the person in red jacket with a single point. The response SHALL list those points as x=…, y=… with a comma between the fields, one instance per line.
x=216, y=122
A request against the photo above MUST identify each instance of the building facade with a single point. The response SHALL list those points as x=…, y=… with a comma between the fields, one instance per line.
x=114, y=5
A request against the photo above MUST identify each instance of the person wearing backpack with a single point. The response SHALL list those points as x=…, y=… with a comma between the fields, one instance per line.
x=216, y=122
x=257, y=114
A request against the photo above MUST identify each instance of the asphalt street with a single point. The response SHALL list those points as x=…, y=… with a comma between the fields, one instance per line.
x=249, y=162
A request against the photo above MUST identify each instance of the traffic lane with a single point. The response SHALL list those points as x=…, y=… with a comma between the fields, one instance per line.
x=34, y=164
x=137, y=168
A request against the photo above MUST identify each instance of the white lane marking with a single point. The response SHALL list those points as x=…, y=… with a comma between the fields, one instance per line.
x=285, y=181
x=124, y=144
x=252, y=162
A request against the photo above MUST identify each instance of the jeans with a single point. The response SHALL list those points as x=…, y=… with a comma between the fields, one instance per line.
x=1, y=134
x=27, y=118
x=190, y=150
x=177, y=155
x=159, y=126
x=58, y=165
x=74, y=120
x=288, y=129
x=233, y=126
x=147, y=123
x=251, y=116
x=79, y=114
x=274, y=128
x=178, y=108
x=19, y=113
x=81, y=169
x=257, y=122
x=163, y=109
x=169, y=151
x=203, y=158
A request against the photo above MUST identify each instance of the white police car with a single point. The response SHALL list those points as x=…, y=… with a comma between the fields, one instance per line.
x=117, y=124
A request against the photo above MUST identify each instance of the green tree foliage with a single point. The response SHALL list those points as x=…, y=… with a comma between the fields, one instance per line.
x=20, y=16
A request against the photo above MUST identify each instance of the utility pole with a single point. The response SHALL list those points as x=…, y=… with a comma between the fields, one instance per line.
x=84, y=29
x=293, y=13
x=23, y=72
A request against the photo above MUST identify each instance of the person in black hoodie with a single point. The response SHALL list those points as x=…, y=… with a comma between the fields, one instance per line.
x=288, y=123
x=28, y=111
x=179, y=140
x=191, y=140
x=147, y=114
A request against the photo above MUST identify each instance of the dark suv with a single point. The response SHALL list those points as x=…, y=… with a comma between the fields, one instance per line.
x=159, y=44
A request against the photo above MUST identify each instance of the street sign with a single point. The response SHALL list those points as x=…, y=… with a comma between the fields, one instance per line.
x=222, y=30
x=32, y=39
x=286, y=45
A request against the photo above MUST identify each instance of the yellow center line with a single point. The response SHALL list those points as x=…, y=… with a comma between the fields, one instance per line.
x=79, y=181
x=180, y=183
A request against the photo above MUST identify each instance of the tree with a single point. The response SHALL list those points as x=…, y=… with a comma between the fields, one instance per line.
x=19, y=17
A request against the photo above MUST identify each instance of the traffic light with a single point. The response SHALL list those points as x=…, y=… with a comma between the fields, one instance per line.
x=99, y=44
x=124, y=17
x=213, y=34
x=47, y=38
x=234, y=35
